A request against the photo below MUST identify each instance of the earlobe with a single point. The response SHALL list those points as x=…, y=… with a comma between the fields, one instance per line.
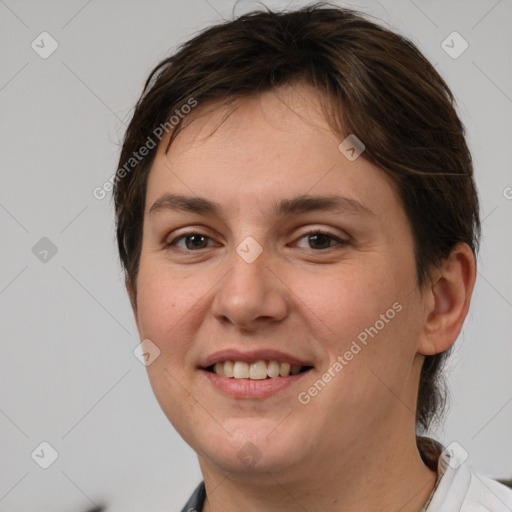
x=449, y=296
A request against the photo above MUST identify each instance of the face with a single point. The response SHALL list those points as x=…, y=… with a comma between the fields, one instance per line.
x=280, y=288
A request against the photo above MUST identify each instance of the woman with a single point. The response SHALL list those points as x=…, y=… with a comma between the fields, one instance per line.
x=298, y=223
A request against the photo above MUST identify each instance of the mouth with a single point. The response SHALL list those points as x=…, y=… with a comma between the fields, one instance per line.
x=256, y=370
x=255, y=374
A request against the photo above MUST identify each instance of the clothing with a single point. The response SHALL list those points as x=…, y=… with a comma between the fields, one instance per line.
x=196, y=501
x=457, y=488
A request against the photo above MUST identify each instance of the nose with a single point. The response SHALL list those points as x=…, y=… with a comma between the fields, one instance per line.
x=251, y=295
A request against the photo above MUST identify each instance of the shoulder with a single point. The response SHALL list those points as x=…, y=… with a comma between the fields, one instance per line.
x=486, y=494
x=459, y=488
x=463, y=490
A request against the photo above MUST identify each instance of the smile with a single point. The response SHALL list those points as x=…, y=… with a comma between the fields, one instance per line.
x=257, y=370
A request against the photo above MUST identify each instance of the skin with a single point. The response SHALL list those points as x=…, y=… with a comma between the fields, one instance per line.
x=352, y=447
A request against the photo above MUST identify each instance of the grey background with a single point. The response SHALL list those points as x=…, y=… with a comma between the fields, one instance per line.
x=68, y=373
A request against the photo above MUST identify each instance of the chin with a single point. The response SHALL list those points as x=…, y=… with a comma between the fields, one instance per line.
x=252, y=449
x=250, y=461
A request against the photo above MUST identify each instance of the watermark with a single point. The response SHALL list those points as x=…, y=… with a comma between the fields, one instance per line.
x=139, y=155
x=351, y=147
x=44, y=45
x=44, y=455
x=146, y=352
x=454, y=45
x=44, y=250
x=305, y=397
x=454, y=455
x=249, y=454
x=249, y=249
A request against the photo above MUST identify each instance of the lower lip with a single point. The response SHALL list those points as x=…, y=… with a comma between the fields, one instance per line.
x=247, y=388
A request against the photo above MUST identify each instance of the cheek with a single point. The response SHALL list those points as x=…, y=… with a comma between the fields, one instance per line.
x=350, y=298
x=165, y=304
x=367, y=314
x=162, y=298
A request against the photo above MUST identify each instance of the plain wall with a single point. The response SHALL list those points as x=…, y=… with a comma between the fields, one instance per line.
x=68, y=375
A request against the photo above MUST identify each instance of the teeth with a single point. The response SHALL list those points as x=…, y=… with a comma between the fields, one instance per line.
x=259, y=370
x=284, y=369
x=228, y=369
x=219, y=368
x=273, y=369
x=241, y=370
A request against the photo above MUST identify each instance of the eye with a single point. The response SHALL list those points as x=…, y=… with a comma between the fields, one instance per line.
x=192, y=241
x=321, y=240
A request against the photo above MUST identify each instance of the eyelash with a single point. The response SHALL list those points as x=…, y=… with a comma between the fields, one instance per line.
x=339, y=241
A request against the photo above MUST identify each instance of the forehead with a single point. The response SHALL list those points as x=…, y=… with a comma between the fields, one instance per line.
x=262, y=149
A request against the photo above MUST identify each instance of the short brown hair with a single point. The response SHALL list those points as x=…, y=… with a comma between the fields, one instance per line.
x=380, y=88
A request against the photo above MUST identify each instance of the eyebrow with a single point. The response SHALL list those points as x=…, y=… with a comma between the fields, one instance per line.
x=284, y=207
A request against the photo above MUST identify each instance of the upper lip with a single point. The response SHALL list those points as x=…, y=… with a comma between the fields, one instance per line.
x=250, y=356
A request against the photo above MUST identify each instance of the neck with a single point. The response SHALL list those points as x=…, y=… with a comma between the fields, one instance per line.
x=383, y=474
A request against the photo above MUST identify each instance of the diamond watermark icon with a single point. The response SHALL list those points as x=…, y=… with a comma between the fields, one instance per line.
x=351, y=147
x=249, y=249
x=44, y=455
x=146, y=352
x=249, y=454
x=454, y=455
x=44, y=45
x=454, y=45
x=44, y=250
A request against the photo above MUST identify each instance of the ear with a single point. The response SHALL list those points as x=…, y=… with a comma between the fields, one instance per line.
x=132, y=294
x=447, y=299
